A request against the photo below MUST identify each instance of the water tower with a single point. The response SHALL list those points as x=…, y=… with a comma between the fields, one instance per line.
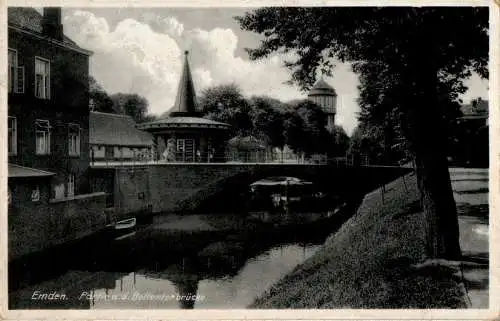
x=323, y=95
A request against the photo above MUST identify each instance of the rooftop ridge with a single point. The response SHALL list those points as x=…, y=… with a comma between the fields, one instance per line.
x=29, y=21
x=111, y=114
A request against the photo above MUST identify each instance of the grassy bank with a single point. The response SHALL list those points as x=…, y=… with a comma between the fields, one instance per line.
x=373, y=261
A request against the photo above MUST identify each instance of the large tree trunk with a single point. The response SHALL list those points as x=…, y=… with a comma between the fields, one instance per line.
x=438, y=203
x=429, y=146
x=442, y=230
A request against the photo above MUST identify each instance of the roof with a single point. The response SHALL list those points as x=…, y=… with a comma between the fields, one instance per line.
x=183, y=122
x=17, y=171
x=31, y=20
x=185, y=101
x=116, y=130
x=322, y=88
x=475, y=110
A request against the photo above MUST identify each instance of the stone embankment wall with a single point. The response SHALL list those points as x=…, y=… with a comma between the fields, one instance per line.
x=182, y=187
x=34, y=226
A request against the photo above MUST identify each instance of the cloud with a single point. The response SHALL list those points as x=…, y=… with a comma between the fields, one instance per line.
x=173, y=26
x=145, y=57
x=130, y=58
x=169, y=25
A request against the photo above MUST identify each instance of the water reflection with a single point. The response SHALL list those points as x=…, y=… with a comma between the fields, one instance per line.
x=225, y=266
x=170, y=289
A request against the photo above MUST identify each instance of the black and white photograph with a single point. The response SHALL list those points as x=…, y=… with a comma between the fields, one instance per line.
x=248, y=158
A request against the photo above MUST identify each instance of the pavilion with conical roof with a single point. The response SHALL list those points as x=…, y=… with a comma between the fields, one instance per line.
x=183, y=135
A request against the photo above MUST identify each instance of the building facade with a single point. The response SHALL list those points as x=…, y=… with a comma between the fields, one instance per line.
x=323, y=95
x=114, y=137
x=471, y=135
x=48, y=96
x=48, y=126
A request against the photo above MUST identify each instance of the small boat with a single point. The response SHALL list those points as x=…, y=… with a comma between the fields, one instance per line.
x=126, y=224
x=123, y=224
x=121, y=229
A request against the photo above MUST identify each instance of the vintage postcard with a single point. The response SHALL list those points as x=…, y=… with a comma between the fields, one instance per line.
x=236, y=160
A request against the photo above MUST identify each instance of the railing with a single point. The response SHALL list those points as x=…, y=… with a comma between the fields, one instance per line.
x=237, y=158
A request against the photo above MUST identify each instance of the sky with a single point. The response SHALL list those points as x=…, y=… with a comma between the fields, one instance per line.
x=140, y=50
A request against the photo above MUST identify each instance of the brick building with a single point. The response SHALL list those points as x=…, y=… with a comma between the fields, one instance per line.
x=48, y=99
x=115, y=137
x=48, y=140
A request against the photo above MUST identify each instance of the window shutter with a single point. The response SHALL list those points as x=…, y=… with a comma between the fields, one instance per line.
x=47, y=86
x=20, y=80
x=78, y=139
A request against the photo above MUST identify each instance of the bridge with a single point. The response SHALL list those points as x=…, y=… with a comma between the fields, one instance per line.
x=152, y=187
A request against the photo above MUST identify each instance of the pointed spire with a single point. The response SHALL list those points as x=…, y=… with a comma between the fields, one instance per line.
x=185, y=102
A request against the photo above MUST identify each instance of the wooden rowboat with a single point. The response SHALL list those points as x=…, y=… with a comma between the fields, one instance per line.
x=126, y=224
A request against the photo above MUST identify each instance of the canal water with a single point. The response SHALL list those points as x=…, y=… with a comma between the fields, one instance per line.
x=196, y=261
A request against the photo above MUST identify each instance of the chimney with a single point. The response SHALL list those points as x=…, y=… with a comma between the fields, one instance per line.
x=51, y=23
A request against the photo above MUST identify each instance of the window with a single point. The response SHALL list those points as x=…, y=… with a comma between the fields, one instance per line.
x=180, y=145
x=59, y=190
x=99, y=151
x=117, y=152
x=73, y=140
x=42, y=78
x=12, y=136
x=91, y=104
x=16, y=73
x=35, y=194
x=12, y=69
x=71, y=185
x=42, y=137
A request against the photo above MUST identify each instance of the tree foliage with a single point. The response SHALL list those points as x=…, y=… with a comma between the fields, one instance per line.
x=226, y=103
x=133, y=105
x=268, y=117
x=411, y=63
x=341, y=142
x=100, y=100
x=300, y=124
x=315, y=137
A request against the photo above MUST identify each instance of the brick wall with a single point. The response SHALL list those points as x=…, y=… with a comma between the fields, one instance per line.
x=132, y=189
x=36, y=226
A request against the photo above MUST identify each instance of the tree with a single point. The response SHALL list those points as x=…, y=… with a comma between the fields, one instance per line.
x=340, y=142
x=370, y=140
x=100, y=100
x=304, y=128
x=226, y=103
x=315, y=137
x=268, y=116
x=293, y=132
x=133, y=105
x=411, y=61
